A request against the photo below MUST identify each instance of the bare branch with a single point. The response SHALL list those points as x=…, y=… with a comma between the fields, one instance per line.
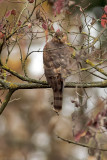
x=81, y=144
x=10, y=85
x=6, y=100
x=23, y=78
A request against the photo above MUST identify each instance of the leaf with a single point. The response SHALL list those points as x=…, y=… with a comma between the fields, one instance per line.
x=79, y=135
x=58, y=6
x=13, y=12
x=51, y=28
x=1, y=35
x=81, y=9
x=70, y=3
x=58, y=30
x=46, y=35
x=76, y=103
x=104, y=20
x=8, y=13
x=44, y=25
x=29, y=25
x=30, y=1
x=89, y=123
x=105, y=9
x=93, y=21
x=19, y=23
x=1, y=27
x=80, y=28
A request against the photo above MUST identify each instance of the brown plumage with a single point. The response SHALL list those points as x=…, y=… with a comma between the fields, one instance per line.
x=56, y=58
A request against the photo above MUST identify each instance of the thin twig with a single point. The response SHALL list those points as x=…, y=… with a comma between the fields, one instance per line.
x=81, y=144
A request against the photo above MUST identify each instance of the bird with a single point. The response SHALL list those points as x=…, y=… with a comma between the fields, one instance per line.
x=57, y=61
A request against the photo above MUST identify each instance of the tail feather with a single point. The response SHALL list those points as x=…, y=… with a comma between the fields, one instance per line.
x=58, y=100
x=57, y=86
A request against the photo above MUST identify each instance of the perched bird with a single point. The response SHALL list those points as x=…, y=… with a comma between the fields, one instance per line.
x=56, y=58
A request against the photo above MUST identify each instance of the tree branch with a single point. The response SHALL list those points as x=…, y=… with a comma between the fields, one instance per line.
x=6, y=100
x=23, y=78
x=97, y=38
x=95, y=66
x=15, y=31
x=80, y=144
x=11, y=85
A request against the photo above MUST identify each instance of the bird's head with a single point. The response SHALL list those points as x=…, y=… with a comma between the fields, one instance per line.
x=60, y=37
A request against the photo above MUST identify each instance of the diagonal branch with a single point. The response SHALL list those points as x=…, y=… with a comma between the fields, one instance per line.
x=81, y=144
x=23, y=78
x=95, y=66
x=97, y=38
x=6, y=100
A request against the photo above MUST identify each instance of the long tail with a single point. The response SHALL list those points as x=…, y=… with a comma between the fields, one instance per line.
x=57, y=86
x=58, y=100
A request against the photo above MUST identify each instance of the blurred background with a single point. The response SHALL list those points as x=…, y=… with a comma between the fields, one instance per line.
x=28, y=126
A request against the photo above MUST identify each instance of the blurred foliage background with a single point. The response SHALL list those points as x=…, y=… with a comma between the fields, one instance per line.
x=28, y=126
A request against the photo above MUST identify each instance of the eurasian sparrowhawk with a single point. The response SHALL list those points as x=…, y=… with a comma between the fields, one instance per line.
x=56, y=58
